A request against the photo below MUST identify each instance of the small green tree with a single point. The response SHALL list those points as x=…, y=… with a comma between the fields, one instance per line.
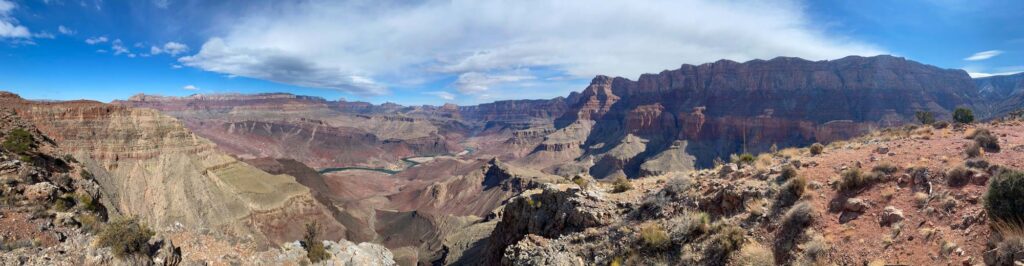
x=18, y=141
x=926, y=118
x=315, y=250
x=963, y=115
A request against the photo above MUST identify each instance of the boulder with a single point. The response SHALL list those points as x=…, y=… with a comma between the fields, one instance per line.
x=855, y=205
x=891, y=215
x=42, y=191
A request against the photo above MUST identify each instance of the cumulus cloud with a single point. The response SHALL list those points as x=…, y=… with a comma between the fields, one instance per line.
x=365, y=46
x=983, y=55
x=9, y=27
x=96, y=40
x=171, y=48
x=190, y=88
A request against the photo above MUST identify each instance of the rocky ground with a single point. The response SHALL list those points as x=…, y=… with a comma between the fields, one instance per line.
x=787, y=207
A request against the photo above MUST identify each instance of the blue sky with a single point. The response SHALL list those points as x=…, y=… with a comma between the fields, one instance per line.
x=465, y=52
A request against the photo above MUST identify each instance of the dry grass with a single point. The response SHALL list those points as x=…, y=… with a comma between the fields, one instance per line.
x=654, y=237
x=752, y=254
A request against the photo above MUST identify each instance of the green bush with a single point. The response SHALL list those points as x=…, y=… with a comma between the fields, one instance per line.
x=745, y=158
x=125, y=237
x=726, y=240
x=963, y=115
x=581, y=181
x=18, y=141
x=1005, y=197
x=791, y=191
x=926, y=118
x=315, y=250
x=817, y=148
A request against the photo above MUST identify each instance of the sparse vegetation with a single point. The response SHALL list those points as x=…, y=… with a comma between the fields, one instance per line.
x=126, y=238
x=1007, y=244
x=817, y=148
x=621, y=185
x=791, y=191
x=581, y=181
x=791, y=228
x=743, y=159
x=958, y=176
x=787, y=172
x=726, y=240
x=853, y=179
x=885, y=168
x=654, y=237
x=1005, y=197
x=940, y=124
x=985, y=139
x=921, y=199
x=752, y=254
x=926, y=118
x=314, y=248
x=18, y=141
x=963, y=115
x=973, y=150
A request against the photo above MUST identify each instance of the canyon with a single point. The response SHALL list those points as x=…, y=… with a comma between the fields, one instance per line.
x=508, y=182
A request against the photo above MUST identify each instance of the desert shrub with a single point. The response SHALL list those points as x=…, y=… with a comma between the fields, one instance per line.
x=1007, y=244
x=791, y=228
x=926, y=118
x=752, y=254
x=581, y=181
x=90, y=222
x=817, y=148
x=788, y=171
x=987, y=141
x=958, y=176
x=689, y=227
x=973, y=150
x=18, y=141
x=963, y=115
x=940, y=124
x=886, y=168
x=654, y=237
x=1005, y=197
x=854, y=179
x=791, y=191
x=977, y=163
x=744, y=159
x=86, y=175
x=621, y=185
x=726, y=240
x=85, y=202
x=314, y=248
x=921, y=199
x=126, y=237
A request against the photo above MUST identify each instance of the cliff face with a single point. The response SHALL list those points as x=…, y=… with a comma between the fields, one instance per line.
x=728, y=107
x=150, y=166
x=1003, y=94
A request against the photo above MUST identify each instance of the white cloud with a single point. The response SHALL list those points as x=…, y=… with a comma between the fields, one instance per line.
x=477, y=83
x=983, y=55
x=65, y=30
x=9, y=27
x=364, y=46
x=444, y=95
x=171, y=48
x=96, y=40
x=43, y=35
x=118, y=47
x=190, y=88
